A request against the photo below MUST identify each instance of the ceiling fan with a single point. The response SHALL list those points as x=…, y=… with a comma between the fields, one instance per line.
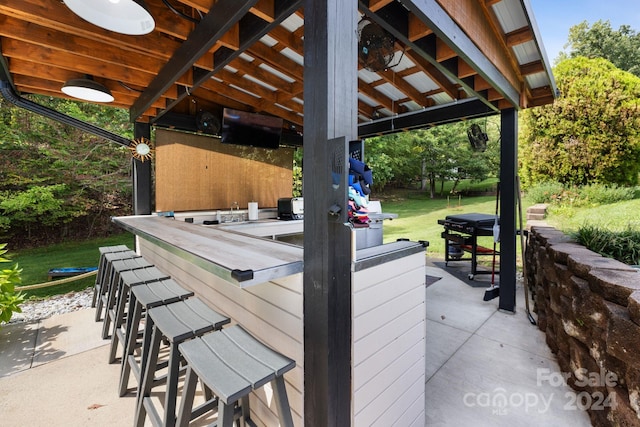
x=207, y=122
x=477, y=138
x=376, y=46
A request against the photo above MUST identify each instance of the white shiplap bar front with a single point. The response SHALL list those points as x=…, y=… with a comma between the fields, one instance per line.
x=388, y=356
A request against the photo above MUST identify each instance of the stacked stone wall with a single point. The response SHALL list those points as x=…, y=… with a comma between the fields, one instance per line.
x=589, y=308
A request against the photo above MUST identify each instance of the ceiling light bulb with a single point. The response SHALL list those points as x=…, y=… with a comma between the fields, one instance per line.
x=129, y=17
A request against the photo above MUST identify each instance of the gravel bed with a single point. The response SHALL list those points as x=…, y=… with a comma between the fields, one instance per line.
x=34, y=310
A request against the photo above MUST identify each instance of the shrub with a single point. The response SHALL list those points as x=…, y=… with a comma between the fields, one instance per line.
x=623, y=246
x=9, y=278
x=545, y=192
x=587, y=195
x=599, y=194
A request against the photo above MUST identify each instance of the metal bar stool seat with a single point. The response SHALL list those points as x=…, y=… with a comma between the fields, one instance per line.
x=101, y=267
x=104, y=276
x=116, y=314
x=231, y=363
x=143, y=298
x=175, y=323
x=108, y=298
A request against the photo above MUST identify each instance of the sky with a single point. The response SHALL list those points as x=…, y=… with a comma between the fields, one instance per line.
x=555, y=17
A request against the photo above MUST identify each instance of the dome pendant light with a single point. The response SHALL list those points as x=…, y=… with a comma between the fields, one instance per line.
x=87, y=90
x=129, y=17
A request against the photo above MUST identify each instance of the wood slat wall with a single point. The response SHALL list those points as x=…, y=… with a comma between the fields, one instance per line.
x=194, y=172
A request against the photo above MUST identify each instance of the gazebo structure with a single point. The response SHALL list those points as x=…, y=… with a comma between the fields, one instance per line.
x=333, y=70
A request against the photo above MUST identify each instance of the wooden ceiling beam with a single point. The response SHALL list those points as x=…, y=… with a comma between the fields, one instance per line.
x=417, y=28
x=56, y=16
x=540, y=92
x=519, y=36
x=376, y=5
x=434, y=74
x=461, y=25
x=403, y=86
x=244, y=98
x=251, y=31
x=41, y=36
x=366, y=109
x=222, y=16
x=277, y=61
x=265, y=10
x=370, y=91
x=444, y=51
x=465, y=70
x=25, y=51
x=250, y=68
x=288, y=39
x=31, y=82
x=532, y=68
x=59, y=76
x=395, y=17
x=27, y=87
x=257, y=89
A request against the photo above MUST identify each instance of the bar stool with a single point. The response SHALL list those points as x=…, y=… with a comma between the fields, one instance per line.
x=104, y=276
x=108, y=298
x=176, y=323
x=116, y=314
x=231, y=363
x=101, y=267
x=143, y=298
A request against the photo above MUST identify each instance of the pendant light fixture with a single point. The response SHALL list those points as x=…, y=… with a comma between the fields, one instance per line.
x=87, y=90
x=129, y=17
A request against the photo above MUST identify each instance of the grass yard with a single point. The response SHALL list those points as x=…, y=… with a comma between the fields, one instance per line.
x=418, y=218
x=615, y=216
x=35, y=263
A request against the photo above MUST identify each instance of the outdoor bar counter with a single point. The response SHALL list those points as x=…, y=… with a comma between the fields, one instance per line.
x=244, y=272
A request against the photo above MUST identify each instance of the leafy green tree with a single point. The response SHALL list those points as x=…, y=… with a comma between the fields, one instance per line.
x=621, y=47
x=431, y=156
x=590, y=134
x=71, y=179
x=9, y=277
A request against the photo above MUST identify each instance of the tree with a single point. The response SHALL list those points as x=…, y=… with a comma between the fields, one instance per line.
x=429, y=156
x=621, y=47
x=56, y=179
x=9, y=278
x=591, y=134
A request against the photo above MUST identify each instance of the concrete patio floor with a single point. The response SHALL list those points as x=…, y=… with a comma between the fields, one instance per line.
x=483, y=367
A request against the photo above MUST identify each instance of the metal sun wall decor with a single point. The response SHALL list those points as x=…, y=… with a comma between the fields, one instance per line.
x=141, y=149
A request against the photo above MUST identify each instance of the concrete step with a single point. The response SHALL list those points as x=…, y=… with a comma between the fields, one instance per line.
x=535, y=216
x=540, y=208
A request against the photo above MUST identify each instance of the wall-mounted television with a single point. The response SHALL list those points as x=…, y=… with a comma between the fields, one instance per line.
x=244, y=128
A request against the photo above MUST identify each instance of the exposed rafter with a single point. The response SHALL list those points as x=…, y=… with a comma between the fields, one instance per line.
x=249, y=56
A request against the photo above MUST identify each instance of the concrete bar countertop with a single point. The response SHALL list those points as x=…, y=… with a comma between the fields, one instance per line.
x=240, y=258
x=245, y=253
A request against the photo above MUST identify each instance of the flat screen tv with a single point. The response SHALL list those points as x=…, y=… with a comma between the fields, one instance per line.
x=244, y=128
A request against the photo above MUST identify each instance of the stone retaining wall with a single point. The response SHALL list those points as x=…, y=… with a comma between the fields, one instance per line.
x=589, y=308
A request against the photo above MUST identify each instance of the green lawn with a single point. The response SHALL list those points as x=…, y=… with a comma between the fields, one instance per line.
x=616, y=216
x=418, y=217
x=35, y=263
